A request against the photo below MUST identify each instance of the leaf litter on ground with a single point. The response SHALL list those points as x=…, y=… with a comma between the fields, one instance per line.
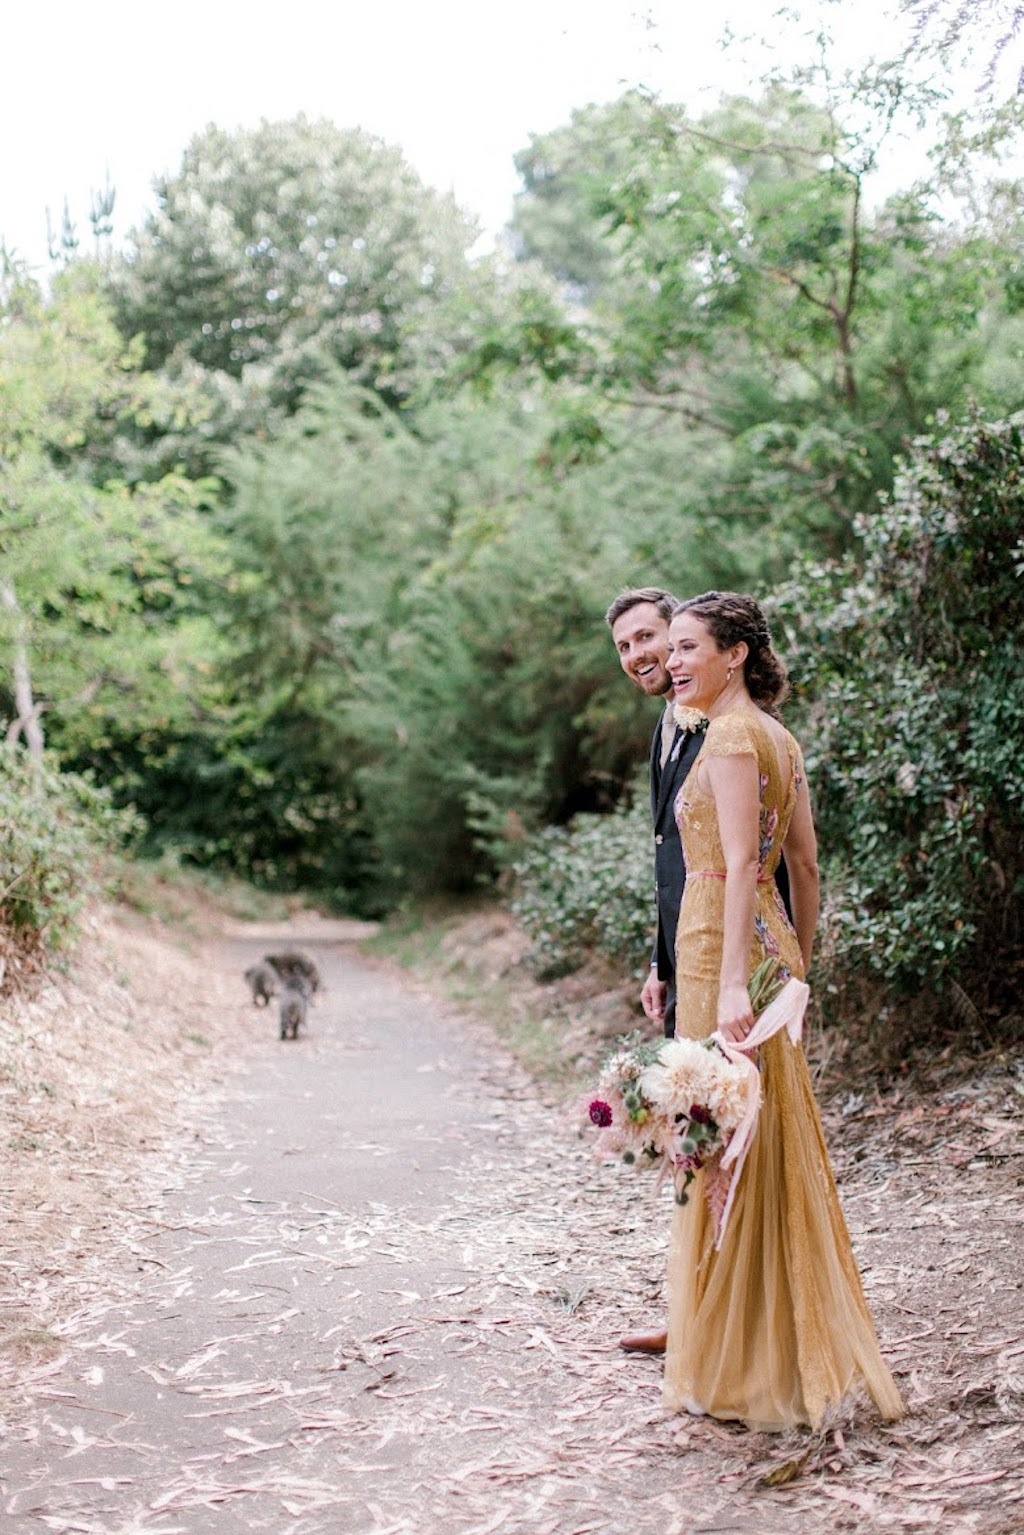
x=549, y=1427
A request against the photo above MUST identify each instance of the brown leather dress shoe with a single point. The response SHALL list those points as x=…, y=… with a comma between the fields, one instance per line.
x=644, y=1342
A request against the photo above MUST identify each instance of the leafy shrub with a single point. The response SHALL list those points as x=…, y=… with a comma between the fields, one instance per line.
x=909, y=666
x=589, y=886
x=54, y=827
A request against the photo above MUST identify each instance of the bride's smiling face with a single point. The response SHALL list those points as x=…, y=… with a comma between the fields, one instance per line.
x=698, y=669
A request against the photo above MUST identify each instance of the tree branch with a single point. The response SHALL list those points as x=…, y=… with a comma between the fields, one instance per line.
x=27, y=721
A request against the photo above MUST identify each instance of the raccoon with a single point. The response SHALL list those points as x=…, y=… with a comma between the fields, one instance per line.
x=295, y=969
x=292, y=1011
x=262, y=982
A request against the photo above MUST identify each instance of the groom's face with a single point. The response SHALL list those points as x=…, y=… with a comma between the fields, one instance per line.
x=641, y=639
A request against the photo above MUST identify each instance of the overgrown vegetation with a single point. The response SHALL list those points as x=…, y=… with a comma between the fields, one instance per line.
x=308, y=520
x=909, y=668
x=909, y=706
x=55, y=829
x=588, y=887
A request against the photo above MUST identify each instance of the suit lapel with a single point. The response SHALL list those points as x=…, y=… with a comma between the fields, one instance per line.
x=677, y=767
x=656, y=774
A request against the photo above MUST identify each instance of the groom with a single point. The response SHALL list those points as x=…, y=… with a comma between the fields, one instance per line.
x=639, y=621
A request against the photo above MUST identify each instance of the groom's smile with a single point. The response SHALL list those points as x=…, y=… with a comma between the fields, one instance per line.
x=641, y=639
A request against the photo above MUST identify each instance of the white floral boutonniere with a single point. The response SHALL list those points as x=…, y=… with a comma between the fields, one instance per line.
x=689, y=719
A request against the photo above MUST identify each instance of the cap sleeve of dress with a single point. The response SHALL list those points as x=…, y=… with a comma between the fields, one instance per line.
x=731, y=735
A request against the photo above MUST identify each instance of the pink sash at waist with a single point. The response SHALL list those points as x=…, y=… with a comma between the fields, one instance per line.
x=762, y=879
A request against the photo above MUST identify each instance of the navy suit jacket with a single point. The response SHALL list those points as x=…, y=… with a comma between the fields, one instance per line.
x=669, y=872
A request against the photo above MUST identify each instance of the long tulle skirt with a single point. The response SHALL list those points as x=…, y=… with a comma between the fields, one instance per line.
x=773, y=1329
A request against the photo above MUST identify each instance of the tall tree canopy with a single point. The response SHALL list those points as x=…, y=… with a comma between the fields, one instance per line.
x=799, y=335
x=98, y=618
x=288, y=248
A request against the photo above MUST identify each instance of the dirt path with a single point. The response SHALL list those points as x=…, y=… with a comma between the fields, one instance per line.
x=380, y=1296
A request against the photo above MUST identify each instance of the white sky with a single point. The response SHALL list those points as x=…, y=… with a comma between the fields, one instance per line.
x=120, y=86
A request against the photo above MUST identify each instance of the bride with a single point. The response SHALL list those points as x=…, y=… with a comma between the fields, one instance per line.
x=773, y=1327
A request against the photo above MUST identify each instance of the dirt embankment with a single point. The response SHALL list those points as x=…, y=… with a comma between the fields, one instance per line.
x=101, y=1069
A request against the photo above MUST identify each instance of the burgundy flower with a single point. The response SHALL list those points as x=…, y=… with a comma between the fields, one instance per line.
x=700, y=1116
x=601, y=1113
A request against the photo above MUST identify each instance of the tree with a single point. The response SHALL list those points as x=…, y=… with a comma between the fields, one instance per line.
x=415, y=612
x=950, y=28
x=798, y=337
x=290, y=249
x=554, y=220
x=98, y=615
x=326, y=524
x=496, y=683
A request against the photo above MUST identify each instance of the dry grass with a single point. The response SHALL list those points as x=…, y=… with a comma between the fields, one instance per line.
x=99, y=1072
x=22, y=961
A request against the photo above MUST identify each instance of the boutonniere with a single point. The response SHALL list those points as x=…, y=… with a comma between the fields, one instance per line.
x=689, y=719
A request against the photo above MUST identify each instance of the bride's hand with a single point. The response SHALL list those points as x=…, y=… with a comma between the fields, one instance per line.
x=735, y=1014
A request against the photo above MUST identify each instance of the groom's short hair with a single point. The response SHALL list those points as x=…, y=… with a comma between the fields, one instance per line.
x=664, y=601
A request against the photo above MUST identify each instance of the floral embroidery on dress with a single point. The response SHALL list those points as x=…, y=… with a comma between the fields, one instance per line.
x=681, y=804
x=765, y=936
x=768, y=823
x=769, y=826
x=780, y=907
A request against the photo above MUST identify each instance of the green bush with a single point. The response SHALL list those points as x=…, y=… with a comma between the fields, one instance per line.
x=909, y=669
x=54, y=829
x=271, y=802
x=589, y=886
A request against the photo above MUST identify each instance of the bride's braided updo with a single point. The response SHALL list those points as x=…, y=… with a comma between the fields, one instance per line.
x=729, y=617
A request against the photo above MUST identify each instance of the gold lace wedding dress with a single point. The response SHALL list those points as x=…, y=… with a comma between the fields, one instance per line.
x=773, y=1328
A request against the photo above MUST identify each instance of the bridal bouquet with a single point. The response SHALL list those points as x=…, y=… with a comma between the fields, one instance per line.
x=675, y=1103
x=700, y=1097
x=686, y=1103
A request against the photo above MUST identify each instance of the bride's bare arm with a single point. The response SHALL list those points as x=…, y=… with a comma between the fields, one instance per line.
x=801, y=851
x=734, y=783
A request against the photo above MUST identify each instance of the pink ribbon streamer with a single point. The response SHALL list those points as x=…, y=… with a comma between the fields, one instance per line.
x=786, y=1011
